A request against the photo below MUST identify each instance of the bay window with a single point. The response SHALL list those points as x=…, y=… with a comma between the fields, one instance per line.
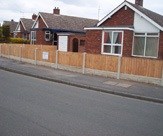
x=112, y=42
x=146, y=45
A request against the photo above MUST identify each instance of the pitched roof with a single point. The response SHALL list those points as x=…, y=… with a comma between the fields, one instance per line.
x=64, y=22
x=12, y=25
x=152, y=15
x=155, y=18
x=27, y=23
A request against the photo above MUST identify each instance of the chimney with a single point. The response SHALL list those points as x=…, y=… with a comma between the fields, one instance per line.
x=139, y=2
x=56, y=11
x=34, y=16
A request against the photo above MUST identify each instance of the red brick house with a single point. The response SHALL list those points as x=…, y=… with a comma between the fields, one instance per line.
x=66, y=32
x=23, y=28
x=12, y=25
x=128, y=30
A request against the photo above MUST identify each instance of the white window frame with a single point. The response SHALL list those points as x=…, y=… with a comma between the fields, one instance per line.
x=145, y=36
x=47, y=33
x=33, y=41
x=111, y=44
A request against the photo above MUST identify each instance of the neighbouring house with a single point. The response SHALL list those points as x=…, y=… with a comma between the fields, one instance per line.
x=12, y=25
x=128, y=30
x=23, y=28
x=66, y=32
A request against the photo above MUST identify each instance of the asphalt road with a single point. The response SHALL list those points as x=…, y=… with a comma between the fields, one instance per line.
x=33, y=107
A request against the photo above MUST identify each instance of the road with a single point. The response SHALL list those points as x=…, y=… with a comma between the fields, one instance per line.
x=34, y=107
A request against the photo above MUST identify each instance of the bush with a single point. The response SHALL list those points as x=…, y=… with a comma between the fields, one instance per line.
x=19, y=40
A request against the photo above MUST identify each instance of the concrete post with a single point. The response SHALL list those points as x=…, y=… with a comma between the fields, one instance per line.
x=20, y=53
x=84, y=54
x=35, y=56
x=56, y=62
x=162, y=77
x=9, y=51
x=119, y=67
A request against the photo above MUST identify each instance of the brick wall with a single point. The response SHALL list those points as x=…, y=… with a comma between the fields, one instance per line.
x=40, y=38
x=79, y=38
x=93, y=41
x=160, y=53
x=121, y=18
x=127, y=43
x=21, y=27
x=41, y=23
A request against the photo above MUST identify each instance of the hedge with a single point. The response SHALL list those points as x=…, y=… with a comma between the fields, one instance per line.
x=19, y=40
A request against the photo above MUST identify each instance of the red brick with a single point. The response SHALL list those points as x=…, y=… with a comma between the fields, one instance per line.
x=121, y=18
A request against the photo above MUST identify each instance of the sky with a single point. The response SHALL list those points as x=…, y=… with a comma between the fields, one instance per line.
x=16, y=9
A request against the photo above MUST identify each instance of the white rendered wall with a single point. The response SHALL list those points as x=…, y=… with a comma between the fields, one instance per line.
x=142, y=25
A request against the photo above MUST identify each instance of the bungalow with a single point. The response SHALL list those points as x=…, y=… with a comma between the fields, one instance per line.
x=66, y=32
x=128, y=30
x=23, y=28
x=12, y=25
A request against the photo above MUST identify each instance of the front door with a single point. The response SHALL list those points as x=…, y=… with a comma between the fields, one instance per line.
x=75, y=45
x=63, y=43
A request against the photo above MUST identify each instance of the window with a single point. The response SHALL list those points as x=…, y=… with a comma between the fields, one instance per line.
x=47, y=35
x=55, y=39
x=146, y=44
x=82, y=42
x=25, y=36
x=33, y=37
x=112, y=43
x=15, y=35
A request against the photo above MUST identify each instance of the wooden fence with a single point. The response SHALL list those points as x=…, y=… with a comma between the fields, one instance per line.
x=128, y=65
x=70, y=58
x=51, y=55
x=102, y=62
x=142, y=67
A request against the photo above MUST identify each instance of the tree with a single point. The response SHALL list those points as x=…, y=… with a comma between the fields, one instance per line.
x=6, y=31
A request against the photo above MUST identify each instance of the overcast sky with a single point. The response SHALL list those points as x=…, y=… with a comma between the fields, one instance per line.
x=16, y=9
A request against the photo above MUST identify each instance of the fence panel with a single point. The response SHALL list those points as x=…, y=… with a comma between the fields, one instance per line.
x=102, y=62
x=5, y=49
x=15, y=51
x=70, y=58
x=51, y=55
x=28, y=53
x=142, y=67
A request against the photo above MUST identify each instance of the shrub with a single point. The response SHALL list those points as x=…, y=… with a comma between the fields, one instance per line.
x=19, y=40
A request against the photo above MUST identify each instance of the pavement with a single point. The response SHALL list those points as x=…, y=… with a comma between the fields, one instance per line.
x=135, y=90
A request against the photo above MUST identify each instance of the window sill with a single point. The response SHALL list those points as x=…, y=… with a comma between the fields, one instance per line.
x=144, y=57
x=112, y=54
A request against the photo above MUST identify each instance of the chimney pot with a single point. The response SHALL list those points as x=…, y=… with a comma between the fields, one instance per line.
x=56, y=10
x=139, y=2
x=34, y=16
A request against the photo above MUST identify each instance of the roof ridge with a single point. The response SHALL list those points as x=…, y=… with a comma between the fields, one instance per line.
x=144, y=8
x=69, y=16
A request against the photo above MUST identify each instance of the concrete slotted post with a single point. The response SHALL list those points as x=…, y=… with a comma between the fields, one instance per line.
x=83, y=69
x=119, y=67
x=20, y=53
x=35, y=56
x=56, y=62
